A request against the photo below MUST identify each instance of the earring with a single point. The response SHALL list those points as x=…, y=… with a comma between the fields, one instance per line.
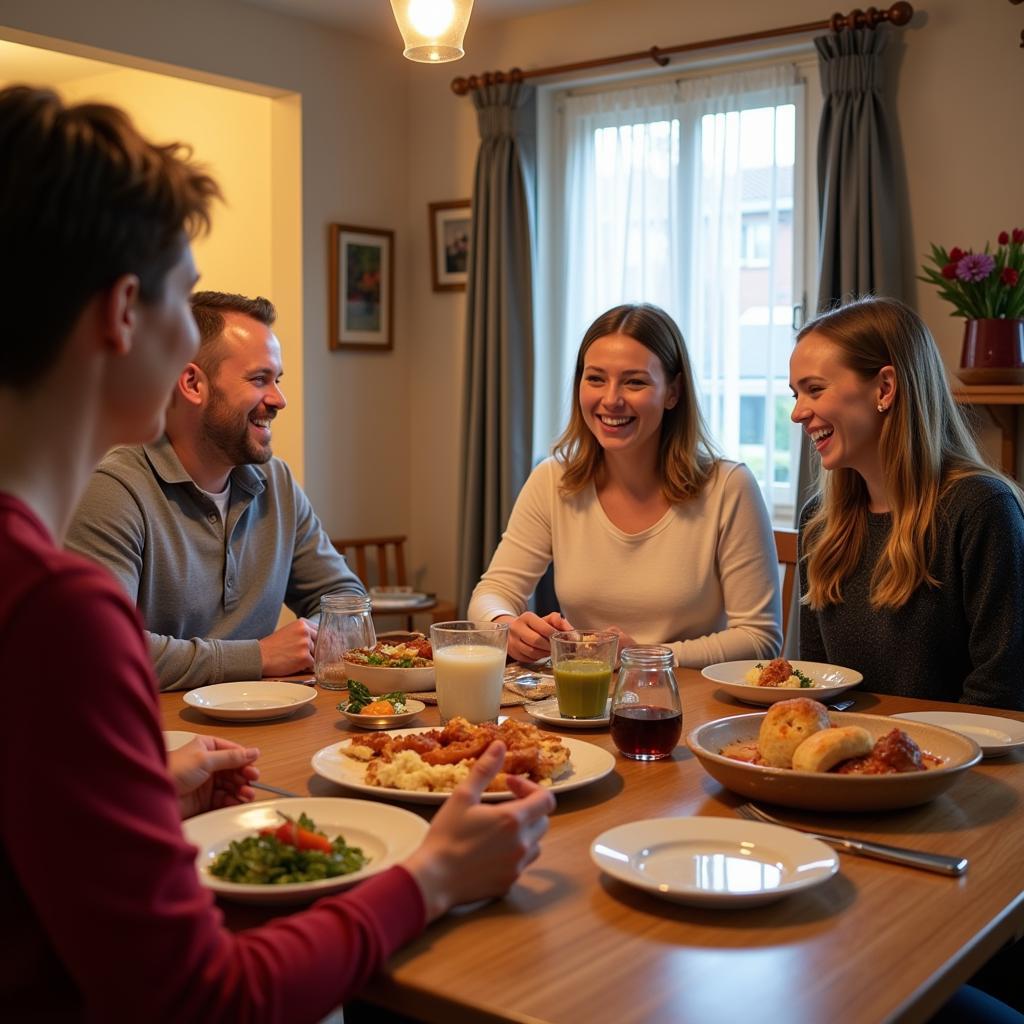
x=881, y=408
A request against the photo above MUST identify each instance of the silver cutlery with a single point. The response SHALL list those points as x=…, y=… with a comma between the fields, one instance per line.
x=867, y=848
x=273, y=789
x=840, y=705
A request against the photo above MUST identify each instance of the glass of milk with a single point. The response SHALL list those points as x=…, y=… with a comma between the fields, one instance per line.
x=469, y=668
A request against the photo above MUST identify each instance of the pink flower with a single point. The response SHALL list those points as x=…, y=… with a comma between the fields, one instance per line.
x=975, y=266
x=1004, y=237
x=956, y=255
x=949, y=271
x=1018, y=235
x=1009, y=276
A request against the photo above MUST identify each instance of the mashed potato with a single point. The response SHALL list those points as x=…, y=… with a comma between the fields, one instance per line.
x=407, y=770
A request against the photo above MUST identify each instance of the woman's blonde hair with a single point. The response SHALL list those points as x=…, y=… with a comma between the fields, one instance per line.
x=686, y=455
x=925, y=446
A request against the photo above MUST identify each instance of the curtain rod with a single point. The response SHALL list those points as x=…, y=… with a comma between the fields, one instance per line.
x=898, y=14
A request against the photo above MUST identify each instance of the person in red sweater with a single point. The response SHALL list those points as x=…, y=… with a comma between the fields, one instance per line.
x=104, y=916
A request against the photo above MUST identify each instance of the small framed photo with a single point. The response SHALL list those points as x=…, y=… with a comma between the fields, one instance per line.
x=451, y=228
x=361, y=287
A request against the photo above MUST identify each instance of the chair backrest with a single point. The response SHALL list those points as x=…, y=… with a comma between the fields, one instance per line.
x=786, y=548
x=377, y=561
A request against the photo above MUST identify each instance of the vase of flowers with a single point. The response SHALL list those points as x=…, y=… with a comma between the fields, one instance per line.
x=987, y=289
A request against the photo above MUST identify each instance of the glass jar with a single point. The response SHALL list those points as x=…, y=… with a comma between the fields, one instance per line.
x=647, y=717
x=345, y=622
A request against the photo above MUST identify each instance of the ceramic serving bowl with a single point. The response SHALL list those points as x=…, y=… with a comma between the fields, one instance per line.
x=828, y=792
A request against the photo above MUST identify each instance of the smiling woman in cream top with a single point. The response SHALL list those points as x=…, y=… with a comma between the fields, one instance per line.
x=649, y=532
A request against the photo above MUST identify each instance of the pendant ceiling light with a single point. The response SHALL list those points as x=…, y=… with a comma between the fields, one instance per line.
x=432, y=29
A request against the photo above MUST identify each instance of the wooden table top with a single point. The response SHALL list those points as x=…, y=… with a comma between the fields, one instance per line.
x=878, y=942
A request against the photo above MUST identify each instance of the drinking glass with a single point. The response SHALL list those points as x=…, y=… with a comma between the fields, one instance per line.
x=345, y=622
x=647, y=717
x=582, y=661
x=469, y=668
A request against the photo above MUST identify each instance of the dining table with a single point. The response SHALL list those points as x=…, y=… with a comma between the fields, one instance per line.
x=568, y=944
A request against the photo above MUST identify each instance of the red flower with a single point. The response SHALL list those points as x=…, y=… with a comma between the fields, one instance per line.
x=1018, y=235
x=1009, y=276
x=956, y=255
x=1004, y=237
x=949, y=271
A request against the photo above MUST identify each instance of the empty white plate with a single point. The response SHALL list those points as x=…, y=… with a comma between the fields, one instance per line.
x=255, y=700
x=713, y=861
x=996, y=736
x=175, y=738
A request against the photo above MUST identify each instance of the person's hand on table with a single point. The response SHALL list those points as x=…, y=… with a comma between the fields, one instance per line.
x=529, y=634
x=209, y=772
x=474, y=850
x=289, y=650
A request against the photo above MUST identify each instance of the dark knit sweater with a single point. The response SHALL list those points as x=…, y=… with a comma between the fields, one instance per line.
x=961, y=641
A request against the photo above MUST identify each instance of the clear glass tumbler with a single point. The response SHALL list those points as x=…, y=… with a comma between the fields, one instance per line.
x=582, y=661
x=647, y=717
x=345, y=622
x=469, y=668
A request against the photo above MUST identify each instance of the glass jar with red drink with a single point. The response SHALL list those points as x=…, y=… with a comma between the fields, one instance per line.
x=647, y=717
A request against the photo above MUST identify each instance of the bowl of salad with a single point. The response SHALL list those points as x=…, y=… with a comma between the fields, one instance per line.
x=398, y=663
x=295, y=850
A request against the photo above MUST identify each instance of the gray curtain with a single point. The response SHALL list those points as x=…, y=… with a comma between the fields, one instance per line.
x=862, y=207
x=498, y=398
x=860, y=198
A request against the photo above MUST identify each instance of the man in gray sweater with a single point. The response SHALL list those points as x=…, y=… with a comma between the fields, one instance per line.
x=209, y=533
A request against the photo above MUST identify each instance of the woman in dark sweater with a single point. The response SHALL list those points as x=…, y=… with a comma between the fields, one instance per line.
x=912, y=551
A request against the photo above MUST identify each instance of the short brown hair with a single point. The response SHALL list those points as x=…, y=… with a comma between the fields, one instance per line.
x=209, y=308
x=84, y=199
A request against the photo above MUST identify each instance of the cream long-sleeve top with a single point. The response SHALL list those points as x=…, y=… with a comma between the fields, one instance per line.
x=704, y=579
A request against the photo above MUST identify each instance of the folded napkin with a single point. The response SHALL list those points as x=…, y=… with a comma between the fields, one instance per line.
x=515, y=692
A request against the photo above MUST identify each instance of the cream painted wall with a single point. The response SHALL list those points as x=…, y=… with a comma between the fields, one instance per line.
x=230, y=132
x=354, y=169
x=959, y=78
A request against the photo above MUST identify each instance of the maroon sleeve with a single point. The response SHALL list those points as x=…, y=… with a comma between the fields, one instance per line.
x=90, y=826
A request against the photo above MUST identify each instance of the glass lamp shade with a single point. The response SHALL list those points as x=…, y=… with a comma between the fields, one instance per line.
x=433, y=30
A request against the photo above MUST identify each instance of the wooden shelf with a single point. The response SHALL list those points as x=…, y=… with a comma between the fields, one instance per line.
x=1002, y=402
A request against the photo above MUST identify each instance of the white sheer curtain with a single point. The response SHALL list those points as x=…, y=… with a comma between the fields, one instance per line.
x=682, y=194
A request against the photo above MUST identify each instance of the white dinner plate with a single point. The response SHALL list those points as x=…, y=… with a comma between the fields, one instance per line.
x=176, y=738
x=412, y=709
x=829, y=681
x=547, y=711
x=254, y=700
x=713, y=861
x=996, y=736
x=588, y=763
x=385, y=834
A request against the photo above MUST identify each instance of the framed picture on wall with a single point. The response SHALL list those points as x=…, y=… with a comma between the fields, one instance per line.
x=451, y=226
x=361, y=287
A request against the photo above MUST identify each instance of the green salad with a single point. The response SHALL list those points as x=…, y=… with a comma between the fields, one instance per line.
x=295, y=851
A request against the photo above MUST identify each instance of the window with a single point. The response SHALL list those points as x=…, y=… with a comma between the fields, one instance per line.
x=688, y=195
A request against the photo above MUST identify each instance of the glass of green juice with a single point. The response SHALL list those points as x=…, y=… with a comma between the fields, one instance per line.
x=582, y=661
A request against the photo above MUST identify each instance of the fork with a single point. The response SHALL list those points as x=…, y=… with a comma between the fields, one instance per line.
x=866, y=848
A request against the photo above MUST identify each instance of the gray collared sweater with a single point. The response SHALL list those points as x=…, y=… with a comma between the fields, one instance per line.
x=208, y=591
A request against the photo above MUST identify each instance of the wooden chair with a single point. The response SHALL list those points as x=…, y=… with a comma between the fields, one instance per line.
x=380, y=562
x=786, y=549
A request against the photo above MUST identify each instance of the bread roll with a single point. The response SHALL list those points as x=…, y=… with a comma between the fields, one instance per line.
x=825, y=749
x=786, y=725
